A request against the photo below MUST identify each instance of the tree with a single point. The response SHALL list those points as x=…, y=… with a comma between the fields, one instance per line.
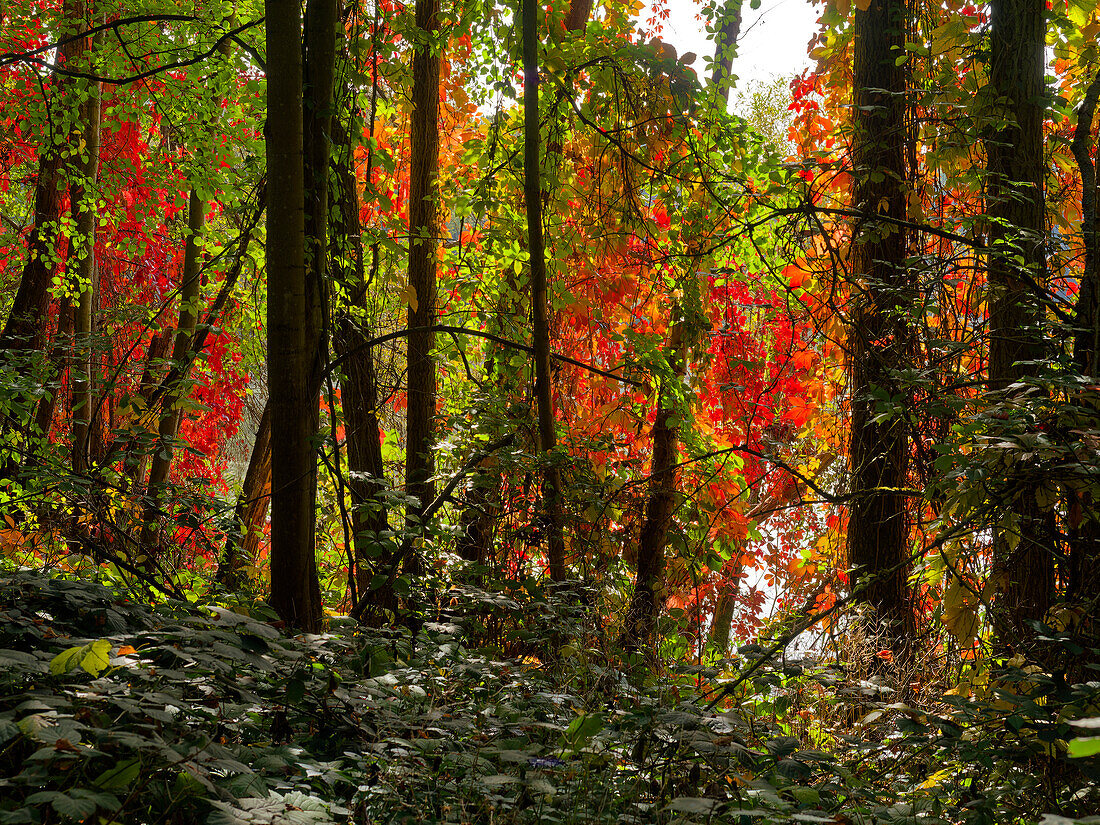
x=540, y=324
x=878, y=335
x=1023, y=548
x=423, y=263
x=294, y=591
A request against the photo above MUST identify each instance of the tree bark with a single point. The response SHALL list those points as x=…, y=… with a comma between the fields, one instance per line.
x=82, y=195
x=1023, y=569
x=359, y=389
x=294, y=592
x=640, y=626
x=725, y=48
x=1083, y=579
x=540, y=320
x=242, y=544
x=878, y=337
x=170, y=414
x=423, y=239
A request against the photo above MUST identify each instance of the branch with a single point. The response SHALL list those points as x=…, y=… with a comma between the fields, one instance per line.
x=472, y=462
x=477, y=333
x=60, y=70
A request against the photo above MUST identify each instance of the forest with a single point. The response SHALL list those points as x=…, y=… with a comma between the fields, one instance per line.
x=482, y=412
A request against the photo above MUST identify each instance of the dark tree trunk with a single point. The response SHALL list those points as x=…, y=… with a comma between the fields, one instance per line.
x=136, y=460
x=85, y=213
x=359, y=388
x=294, y=592
x=423, y=238
x=1083, y=578
x=1024, y=564
x=170, y=414
x=540, y=319
x=878, y=335
x=645, y=604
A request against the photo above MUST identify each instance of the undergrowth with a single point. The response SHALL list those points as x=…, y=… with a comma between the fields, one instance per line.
x=117, y=711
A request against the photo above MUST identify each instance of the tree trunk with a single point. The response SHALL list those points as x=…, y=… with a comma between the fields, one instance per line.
x=725, y=48
x=878, y=337
x=294, y=592
x=359, y=388
x=242, y=544
x=319, y=72
x=25, y=329
x=540, y=320
x=423, y=239
x=1083, y=579
x=170, y=414
x=82, y=195
x=640, y=626
x=1023, y=574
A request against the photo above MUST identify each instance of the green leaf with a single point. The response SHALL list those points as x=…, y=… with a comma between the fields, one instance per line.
x=1084, y=746
x=295, y=691
x=78, y=809
x=120, y=776
x=583, y=728
x=94, y=657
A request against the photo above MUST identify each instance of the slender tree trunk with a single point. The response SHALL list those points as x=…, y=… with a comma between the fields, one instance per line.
x=137, y=454
x=82, y=195
x=878, y=527
x=1083, y=579
x=61, y=350
x=242, y=544
x=318, y=85
x=294, y=593
x=423, y=239
x=788, y=495
x=645, y=604
x=359, y=388
x=540, y=320
x=725, y=48
x=1024, y=563
x=170, y=415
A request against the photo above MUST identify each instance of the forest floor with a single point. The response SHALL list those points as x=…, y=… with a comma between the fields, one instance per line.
x=115, y=710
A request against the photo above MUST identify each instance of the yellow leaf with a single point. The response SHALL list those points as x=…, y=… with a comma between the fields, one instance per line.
x=408, y=296
x=959, y=613
x=862, y=5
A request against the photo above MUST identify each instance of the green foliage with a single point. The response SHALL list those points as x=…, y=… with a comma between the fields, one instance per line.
x=211, y=715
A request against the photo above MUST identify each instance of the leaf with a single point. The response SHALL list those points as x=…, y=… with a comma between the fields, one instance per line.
x=94, y=657
x=693, y=805
x=73, y=808
x=583, y=728
x=1083, y=746
x=120, y=776
x=497, y=780
x=408, y=296
x=863, y=5
x=959, y=614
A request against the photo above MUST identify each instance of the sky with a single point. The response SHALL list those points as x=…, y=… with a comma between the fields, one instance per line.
x=773, y=38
